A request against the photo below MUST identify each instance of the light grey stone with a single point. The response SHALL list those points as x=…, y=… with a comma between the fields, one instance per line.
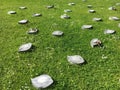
x=114, y=18
x=11, y=12
x=97, y=19
x=89, y=6
x=22, y=7
x=87, y=27
x=108, y=31
x=65, y=16
x=50, y=6
x=57, y=33
x=25, y=47
x=37, y=15
x=112, y=8
x=32, y=31
x=118, y=4
x=23, y=21
x=95, y=42
x=91, y=11
x=67, y=10
x=119, y=25
x=75, y=59
x=42, y=81
x=70, y=4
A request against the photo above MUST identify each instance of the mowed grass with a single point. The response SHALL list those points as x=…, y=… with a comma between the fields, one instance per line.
x=49, y=55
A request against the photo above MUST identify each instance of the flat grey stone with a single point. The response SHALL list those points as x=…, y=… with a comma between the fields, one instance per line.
x=23, y=22
x=118, y=4
x=89, y=6
x=65, y=16
x=11, y=12
x=95, y=42
x=32, y=31
x=87, y=27
x=22, y=7
x=50, y=6
x=57, y=33
x=119, y=25
x=75, y=59
x=25, y=47
x=91, y=11
x=42, y=81
x=114, y=18
x=37, y=15
x=67, y=10
x=109, y=31
x=70, y=4
x=97, y=19
x=112, y=8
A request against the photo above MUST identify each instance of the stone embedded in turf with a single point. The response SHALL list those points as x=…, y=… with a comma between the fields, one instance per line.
x=112, y=8
x=91, y=11
x=32, y=31
x=37, y=15
x=97, y=19
x=87, y=27
x=11, y=12
x=109, y=31
x=65, y=16
x=114, y=18
x=70, y=4
x=25, y=47
x=42, y=81
x=23, y=22
x=119, y=25
x=57, y=33
x=67, y=10
x=89, y=6
x=22, y=7
x=50, y=6
x=95, y=42
x=75, y=59
x=118, y=4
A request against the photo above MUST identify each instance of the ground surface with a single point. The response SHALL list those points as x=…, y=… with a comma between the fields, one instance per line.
x=49, y=55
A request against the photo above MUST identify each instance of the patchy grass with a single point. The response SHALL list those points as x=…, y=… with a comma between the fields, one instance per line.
x=50, y=53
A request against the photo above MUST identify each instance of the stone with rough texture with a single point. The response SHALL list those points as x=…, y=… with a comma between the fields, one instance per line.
x=91, y=11
x=75, y=59
x=87, y=27
x=23, y=22
x=109, y=31
x=32, y=31
x=97, y=19
x=57, y=33
x=11, y=12
x=25, y=47
x=37, y=15
x=114, y=18
x=67, y=10
x=65, y=16
x=42, y=81
x=95, y=42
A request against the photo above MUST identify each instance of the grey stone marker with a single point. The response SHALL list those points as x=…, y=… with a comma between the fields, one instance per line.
x=37, y=15
x=67, y=10
x=70, y=4
x=91, y=11
x=11, y=12
x=57, y=33
x=32, y=31
x=114, y=18
x=42, y=81
x=25, y=47
x=108, y=31
x=22, y=7
x=50, y=6
x=95, y=42
x=75, y=59
x=87, y=27
x=112, y=8
x=65, y=16
x=23, y=21
x=97, y=19
x=119, y=25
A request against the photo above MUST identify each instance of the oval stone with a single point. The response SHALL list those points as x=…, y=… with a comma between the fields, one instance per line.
x=25, y=47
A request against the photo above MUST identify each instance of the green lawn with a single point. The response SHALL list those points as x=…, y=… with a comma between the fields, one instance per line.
x=49, y=55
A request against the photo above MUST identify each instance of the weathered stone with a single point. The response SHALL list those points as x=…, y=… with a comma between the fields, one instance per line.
x=91, y=11
x=87, y=27
x=65, y=16
x=95, y=42
x=11, y=12
x=37, y=15
x=57, y=33
x=109, y=31
x=42, y=81
x=67, y=10
x=70, y=4
x=97, y=19
x=25, y=47
x=114, y=18
x=75, y=59
x=32, y=31
x=23, y=22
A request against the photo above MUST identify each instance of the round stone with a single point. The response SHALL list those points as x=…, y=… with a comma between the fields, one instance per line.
x=87, y=27
x=11, y=12
x=65, y=16
x=23, y=22
x=57, y=33
x=70, y=4
x=97, y=19
x=37, y=15
x=95, y=42
x=67, y=10
x=109, y=31
x=42, y=81
x=25, y=47
x=75, y=59
x=22, y=7
x=114, y=18
x=32, y=31
x=91, y=11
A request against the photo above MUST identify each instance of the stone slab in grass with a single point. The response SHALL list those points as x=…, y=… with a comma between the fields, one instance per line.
x=97, y=19
x=114, y=18
x=71, y=4
x=112, y=8
x=65, y=16
x=32, y=31
x=37, y=15
x=50, y=6
x=67, y=10
x=119, y=25
x=25, y=47
x=11, y=12
x=87, y=27
x=95, y=42
x=108, y=31
x=91, y=11
x=117, y=4
x=57, y=33
x=75, y=59
x=22, y=7
x=42, y=81
x=89, y=6
x=23, y=21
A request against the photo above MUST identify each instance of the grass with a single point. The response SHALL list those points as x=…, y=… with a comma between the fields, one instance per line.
x=50, y=53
